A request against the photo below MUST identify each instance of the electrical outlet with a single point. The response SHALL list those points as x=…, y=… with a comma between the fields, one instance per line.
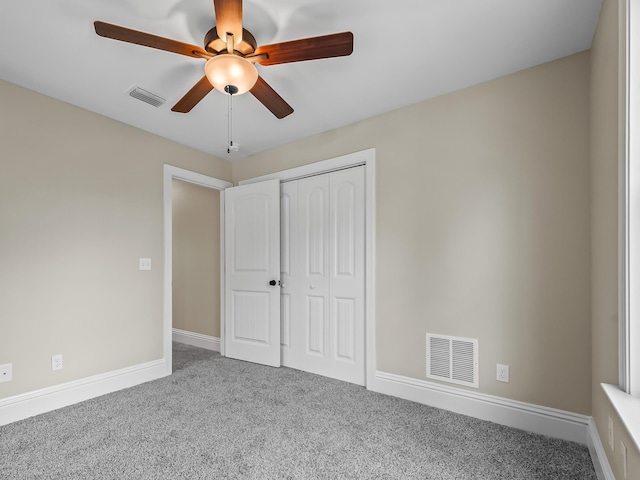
x=6, y=372
x=56, y=362
x=502, y=373
x=145, y=264
x=623, y=453
x=611, y=445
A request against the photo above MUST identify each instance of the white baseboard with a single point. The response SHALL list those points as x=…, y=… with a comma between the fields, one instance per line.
x=598, y=454
x=47, y=399
x=196, y=339
x=525, y=416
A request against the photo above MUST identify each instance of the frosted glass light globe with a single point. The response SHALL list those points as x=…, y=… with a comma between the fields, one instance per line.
x=231, y=70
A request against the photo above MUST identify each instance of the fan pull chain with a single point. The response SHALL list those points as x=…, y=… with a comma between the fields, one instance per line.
x=229, y=126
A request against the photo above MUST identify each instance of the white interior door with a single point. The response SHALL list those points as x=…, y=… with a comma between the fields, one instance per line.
x=252, y=273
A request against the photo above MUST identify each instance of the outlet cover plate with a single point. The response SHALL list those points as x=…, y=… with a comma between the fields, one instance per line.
x=56, y=362
x=6, y=372
x=145, y=264
x=502, y=373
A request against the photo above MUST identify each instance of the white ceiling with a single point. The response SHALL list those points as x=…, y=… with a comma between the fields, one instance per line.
x=405, y=51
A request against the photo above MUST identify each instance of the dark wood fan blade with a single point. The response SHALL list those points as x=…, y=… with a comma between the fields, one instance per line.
x=123, y=34
x=326, y=46
x=229, y=18
x=270, y=99
x=193, y=96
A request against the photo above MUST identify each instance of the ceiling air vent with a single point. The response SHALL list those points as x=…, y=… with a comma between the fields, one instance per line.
x=452, y=359
x=146, y=96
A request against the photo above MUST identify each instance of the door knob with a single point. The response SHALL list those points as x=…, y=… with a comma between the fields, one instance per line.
x=272, y=283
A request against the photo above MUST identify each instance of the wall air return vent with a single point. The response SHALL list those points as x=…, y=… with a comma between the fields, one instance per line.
x=146, y=96
x=452, y=359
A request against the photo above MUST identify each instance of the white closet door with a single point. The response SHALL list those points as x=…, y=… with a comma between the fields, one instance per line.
x=252, y=271
x=288, y=275
x=346, y=275
x=311, y=336
x=327, y=322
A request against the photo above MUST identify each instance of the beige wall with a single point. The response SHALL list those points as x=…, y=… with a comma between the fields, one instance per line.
x=80, y=202
x=604, y=115
x=196, y=258
x=482, y=201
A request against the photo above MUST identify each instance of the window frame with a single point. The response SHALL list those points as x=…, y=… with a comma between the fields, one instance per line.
x=629, y=345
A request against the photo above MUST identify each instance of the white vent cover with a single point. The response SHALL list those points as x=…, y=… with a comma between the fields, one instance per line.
x=452, y=359
x=146, y=97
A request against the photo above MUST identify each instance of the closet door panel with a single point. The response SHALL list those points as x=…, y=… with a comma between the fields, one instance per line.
x=344, y=229
x=323, y=272
x=313, y=260
x=346, y=276
x=288, y=250
x=315, y=325
x=344, y=335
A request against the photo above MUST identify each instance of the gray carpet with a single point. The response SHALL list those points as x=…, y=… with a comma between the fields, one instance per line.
x=217, y=418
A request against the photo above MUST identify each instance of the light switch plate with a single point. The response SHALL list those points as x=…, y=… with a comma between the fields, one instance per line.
x=145, y=264
x=6, y=372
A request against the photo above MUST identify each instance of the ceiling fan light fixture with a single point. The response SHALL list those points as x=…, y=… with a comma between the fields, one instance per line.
x=227, y=70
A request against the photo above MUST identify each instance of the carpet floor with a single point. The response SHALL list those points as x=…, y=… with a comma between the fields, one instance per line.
x=217, y=418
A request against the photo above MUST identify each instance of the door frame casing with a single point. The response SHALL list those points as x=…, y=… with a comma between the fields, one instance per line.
x=175, y=173
x=367, y=159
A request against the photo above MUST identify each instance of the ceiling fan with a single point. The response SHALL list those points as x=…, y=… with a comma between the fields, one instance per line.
x=231, y=53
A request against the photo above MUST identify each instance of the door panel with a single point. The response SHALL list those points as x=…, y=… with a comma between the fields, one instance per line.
x=250, y=308
x=251, y=249
x=288, y=251
x=344, y=314
x=315, y=325
x=346, y=279
x=316, y=228
x=313, y=339
x=252, y=260
x=285, y=323
x=344, y=226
